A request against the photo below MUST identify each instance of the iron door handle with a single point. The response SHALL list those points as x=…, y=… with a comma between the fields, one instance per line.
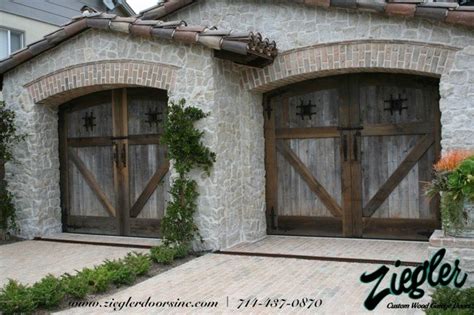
x=116, y=154
x=344, y=147
x=356, y=146
x=124, y=155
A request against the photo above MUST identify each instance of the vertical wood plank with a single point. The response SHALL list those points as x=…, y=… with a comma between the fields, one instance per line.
x=270, y=162
x=355, y=157
x=346, y=174
x=64, y=171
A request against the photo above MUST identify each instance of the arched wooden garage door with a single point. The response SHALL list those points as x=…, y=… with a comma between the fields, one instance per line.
x=114, y=171
x=348, y=156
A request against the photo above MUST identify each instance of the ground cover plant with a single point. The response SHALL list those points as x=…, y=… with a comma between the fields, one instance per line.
x=449, y=301
x=51, y=291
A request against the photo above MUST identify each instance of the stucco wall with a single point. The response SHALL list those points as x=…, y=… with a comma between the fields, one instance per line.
x=200, y=79
x=34, y=30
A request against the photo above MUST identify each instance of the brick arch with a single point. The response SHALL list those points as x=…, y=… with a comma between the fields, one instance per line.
x=67, y=83
x=351, y=56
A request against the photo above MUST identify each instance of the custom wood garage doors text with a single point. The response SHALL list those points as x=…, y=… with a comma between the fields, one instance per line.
x=348, y=156
x=113, y=167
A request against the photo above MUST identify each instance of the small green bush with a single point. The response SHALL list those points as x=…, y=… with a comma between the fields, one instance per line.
x=16, y=298
x=120, y=272
x=181, y=251
x=48, y=292
x=98, y=278
x=75, y=286
x=162, y=254
x=449, y=297
x=139, y=263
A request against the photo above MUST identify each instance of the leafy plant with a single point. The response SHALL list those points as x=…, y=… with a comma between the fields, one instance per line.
x=461, y=180
x=138, y=262
x=48, y=292
x=181, y=251
x=7, y=209
x=75, y=286
x=16, y=298
x=98, y=278
x=451, y=160
x=454, y=181
x=450, y=298
x=120, y=272
x=187, y=151
x=444, y=168
x=8, y=138
x=163, y=254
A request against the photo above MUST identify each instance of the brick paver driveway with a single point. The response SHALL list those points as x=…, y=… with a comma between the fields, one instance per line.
x=228, y=278
x=29, y=261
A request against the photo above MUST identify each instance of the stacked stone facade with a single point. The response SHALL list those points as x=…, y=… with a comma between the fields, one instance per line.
x=461, y=249
x=313, y=42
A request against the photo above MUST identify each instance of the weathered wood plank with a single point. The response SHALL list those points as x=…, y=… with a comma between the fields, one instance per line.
x=92, y=182
x=307, y=133
x=313, y=184
x=355, y=157
x=271, y=162
x=149, y=189
x=399, y=174
x=414, y=128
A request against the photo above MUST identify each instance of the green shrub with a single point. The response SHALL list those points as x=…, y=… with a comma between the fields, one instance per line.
x=98, y=278
x=16, y=298
x=48, y=292
x=187, y=151
x=181, y=251
x=120, y=272
x=449, y=297
x=9, y=137
x=139, y=263
x=162, y=254
x=75, y=286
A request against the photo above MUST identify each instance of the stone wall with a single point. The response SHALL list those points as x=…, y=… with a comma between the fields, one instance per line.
x=456, y=248
x=231, y=206
x=457, y=102
x=79, y=66
x=298, y=27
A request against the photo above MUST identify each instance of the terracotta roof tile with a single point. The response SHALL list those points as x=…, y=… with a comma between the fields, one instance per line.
x=441, y=11
x=256, y=50
x=164, y=8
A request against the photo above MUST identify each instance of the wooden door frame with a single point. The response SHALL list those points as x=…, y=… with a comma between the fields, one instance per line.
x=272, y=135
x=353, y=221
x=119, y=141
x=430, y=133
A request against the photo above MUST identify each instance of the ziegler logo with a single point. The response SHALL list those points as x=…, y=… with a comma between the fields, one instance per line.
x=409, y=281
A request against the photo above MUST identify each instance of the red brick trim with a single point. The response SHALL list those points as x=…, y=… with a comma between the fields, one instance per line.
x=351, y=56
x=62, y=85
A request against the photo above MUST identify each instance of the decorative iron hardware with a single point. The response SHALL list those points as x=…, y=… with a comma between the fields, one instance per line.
x=396, y=104
x=153, y=117
x=350, y=128
x=124, y=155
x=116, y=155
x=89, y=121
x=268, y=110
x=306, y=110
x=344, y=147
x=272, y=219
x=355, y=147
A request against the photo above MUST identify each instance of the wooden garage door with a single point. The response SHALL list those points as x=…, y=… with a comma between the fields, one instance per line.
x=349, y=155
x=113, y=168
